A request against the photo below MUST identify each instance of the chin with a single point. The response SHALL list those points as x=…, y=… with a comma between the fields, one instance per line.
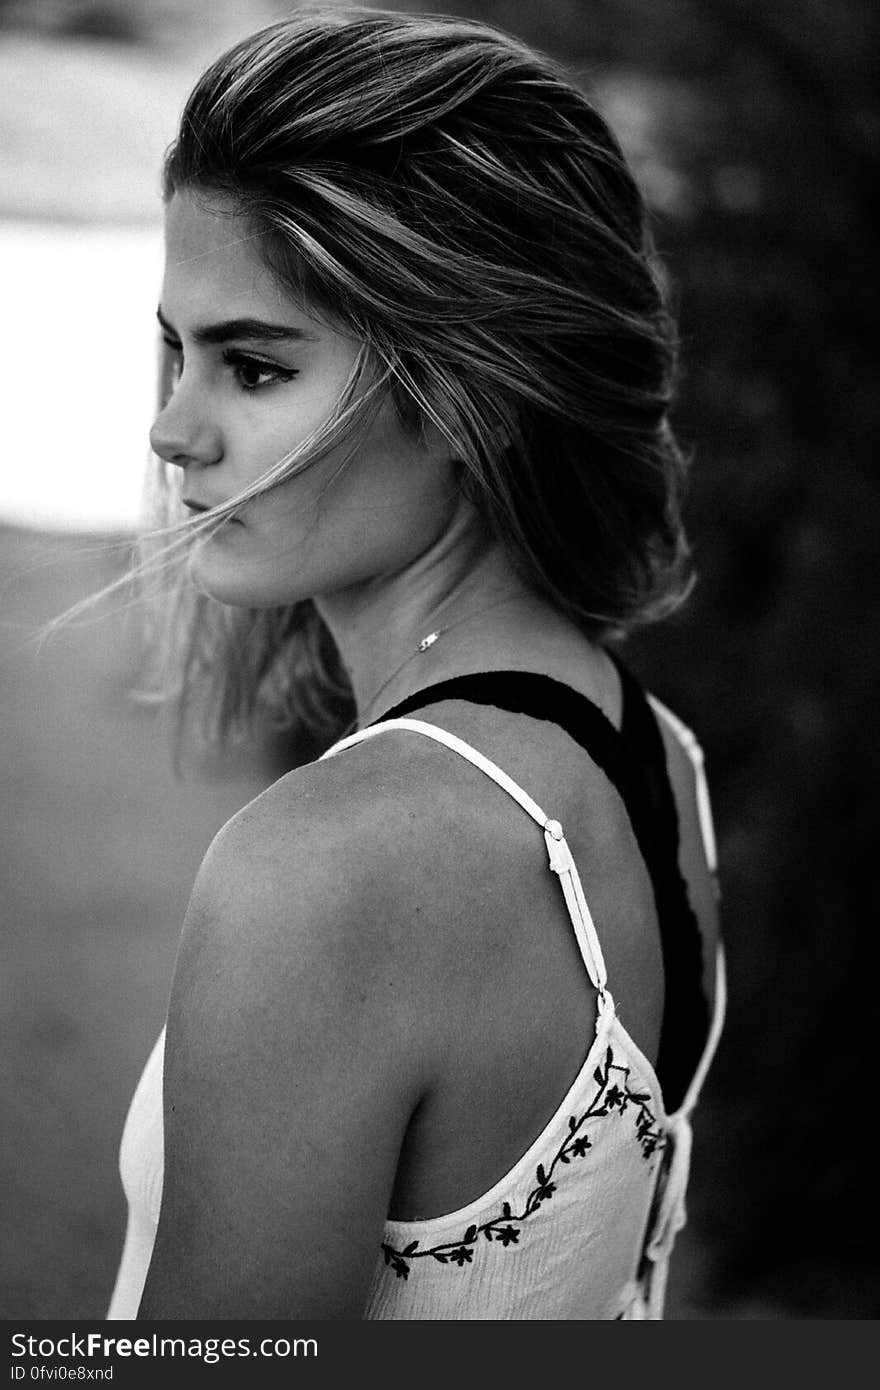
x=219, y=578
x=226, y=578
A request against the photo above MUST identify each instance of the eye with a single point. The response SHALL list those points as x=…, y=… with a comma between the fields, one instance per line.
x=253, y=373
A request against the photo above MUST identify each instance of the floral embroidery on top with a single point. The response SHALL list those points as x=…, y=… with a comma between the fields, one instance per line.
x=610, y=1098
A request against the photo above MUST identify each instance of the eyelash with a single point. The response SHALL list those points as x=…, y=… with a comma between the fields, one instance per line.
x=241, y=361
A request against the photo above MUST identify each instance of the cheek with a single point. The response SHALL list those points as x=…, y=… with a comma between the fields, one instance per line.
x=399, y=468
x=351, y=517
x=394, y=492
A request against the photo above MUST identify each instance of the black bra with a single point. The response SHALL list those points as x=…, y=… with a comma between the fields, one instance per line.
x=634, y=761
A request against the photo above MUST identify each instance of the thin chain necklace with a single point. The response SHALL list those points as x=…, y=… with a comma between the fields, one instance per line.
x=426, y=642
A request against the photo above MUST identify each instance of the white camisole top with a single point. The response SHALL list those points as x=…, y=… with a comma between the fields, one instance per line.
x=582, y=1226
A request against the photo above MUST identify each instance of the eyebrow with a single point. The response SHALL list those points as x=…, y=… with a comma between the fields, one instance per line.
x=229, y=329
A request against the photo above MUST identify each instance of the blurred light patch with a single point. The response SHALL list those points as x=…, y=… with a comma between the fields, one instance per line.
x=82, y=129
x=78, y=364
x=640, y=110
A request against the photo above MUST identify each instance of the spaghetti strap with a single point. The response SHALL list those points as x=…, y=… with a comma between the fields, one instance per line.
x=558, y=853
x=695, y=754
x=458, y=745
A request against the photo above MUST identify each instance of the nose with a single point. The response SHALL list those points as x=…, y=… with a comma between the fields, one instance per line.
x=181, y=434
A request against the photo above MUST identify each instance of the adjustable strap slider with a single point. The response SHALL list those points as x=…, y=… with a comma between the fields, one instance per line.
x=560, y=855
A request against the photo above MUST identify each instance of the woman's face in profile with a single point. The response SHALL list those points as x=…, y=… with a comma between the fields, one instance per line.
x=255, y=375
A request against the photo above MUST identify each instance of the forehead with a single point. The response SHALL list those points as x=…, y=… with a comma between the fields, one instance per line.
x=213, y=260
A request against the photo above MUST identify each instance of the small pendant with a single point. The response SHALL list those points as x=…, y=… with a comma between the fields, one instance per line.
x=428, y=641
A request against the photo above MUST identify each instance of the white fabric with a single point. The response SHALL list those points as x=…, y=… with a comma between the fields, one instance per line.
x=141, y=1165
x=612, y=1165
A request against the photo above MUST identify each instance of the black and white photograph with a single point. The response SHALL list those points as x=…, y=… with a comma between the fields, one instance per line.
x=438, y=661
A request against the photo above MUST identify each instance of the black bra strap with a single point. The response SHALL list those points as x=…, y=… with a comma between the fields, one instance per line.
x=686, y=1011
x=634, y=761
x=540, y=697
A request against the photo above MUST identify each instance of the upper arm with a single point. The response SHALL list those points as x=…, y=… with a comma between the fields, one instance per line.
x=289, y=1079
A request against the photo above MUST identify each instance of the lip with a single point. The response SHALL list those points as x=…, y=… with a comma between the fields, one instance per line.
x=197, y=508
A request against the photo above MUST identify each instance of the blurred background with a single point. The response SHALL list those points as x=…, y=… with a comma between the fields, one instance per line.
x=755, y=132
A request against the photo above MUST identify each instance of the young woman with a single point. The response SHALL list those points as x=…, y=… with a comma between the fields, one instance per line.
x=445, y=997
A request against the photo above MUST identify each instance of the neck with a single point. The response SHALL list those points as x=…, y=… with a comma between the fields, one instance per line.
x=377, y=626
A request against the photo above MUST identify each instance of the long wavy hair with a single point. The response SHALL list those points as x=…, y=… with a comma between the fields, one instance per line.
x=454, y=200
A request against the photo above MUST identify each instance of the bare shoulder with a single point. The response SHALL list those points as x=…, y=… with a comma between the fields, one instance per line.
x=315, y=878
x=330, y=893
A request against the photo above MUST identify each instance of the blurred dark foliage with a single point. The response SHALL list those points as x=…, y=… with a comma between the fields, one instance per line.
x=770, y=119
